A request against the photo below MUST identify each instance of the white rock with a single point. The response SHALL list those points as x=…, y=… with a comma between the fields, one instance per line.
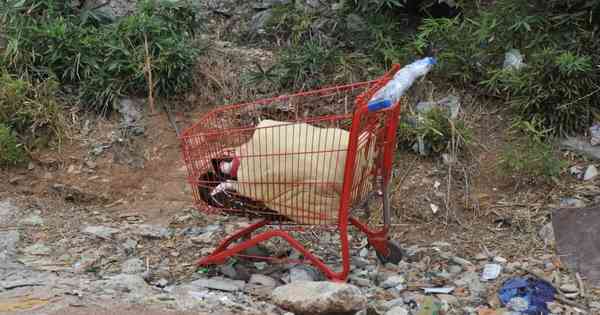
x=393, y=282
x=397, y=310
x=590, y=173
x=100, y=231
x=219, y=283
x=324, y=297
x=569, y=288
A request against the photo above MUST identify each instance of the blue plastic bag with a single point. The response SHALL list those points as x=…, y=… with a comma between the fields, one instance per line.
x=535, y=291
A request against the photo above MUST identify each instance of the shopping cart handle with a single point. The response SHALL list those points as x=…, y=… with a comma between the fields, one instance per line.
x=379, y=104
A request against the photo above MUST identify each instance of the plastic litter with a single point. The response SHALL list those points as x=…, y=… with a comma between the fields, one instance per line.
x=527, y=295
x=444, y=290
x=402, y=81
x=513, y=60
x=491, y=272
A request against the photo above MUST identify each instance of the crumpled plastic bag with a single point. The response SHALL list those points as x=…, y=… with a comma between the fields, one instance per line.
x=529, y=294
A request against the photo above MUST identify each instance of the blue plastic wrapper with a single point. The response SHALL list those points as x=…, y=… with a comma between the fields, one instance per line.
x=535, y=291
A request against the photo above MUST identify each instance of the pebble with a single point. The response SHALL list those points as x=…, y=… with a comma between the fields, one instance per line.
x=151, y=231
x=569, y=288
x=392, y=303
x=361, y=282
x=262, y=280
x=229, y=271
x=221, y=284
x=393, y=282
x=100, y=231
x=303, y=273
x=364, y=252
x=454, y=269
x=359, y=262
x=397, y=310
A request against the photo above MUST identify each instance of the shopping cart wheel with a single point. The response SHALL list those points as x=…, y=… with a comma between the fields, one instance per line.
x=395, y=253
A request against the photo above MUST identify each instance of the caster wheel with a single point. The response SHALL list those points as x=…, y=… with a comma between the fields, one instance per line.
x=395, y=253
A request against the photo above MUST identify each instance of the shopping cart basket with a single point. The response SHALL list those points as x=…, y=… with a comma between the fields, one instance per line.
x=364, y=162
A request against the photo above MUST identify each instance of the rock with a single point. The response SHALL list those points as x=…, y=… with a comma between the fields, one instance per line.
x=454, y=269
x=581, y=147
x=304, y=273
x=447, y=298
x=131, y=115
x=37, y=249
x=393, y=282
x=546, y=233
x=590, y=173
x=229, y=271
x=571, y=203
x=259, y=21
x=595, y=134
x=356, y=24
x=360, y=281
x=359, y=262
x=450, y=104
x=595, y=305
x=309, y=297
x=397, y=310
x=364, y=252
x=262, y=280
x=100, y=231
x=569, y=288
x=33, y=220
x=129, y=246
x=392, y=303
x=128, y=284
x=162, y=283
x=219, y=283
x=133, y=266
x=151, y=231
x=555, y=308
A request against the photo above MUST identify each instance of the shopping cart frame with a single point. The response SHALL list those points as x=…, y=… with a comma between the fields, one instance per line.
x=387, y=250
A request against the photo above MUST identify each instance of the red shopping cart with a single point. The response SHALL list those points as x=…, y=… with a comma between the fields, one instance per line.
x=318, y=163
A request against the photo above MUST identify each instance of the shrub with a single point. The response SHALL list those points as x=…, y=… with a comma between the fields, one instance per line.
x=32, y=110
x=529, y=154
x=11, y=153
x=560, y=45
x=103, y=61
x=435, y=129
